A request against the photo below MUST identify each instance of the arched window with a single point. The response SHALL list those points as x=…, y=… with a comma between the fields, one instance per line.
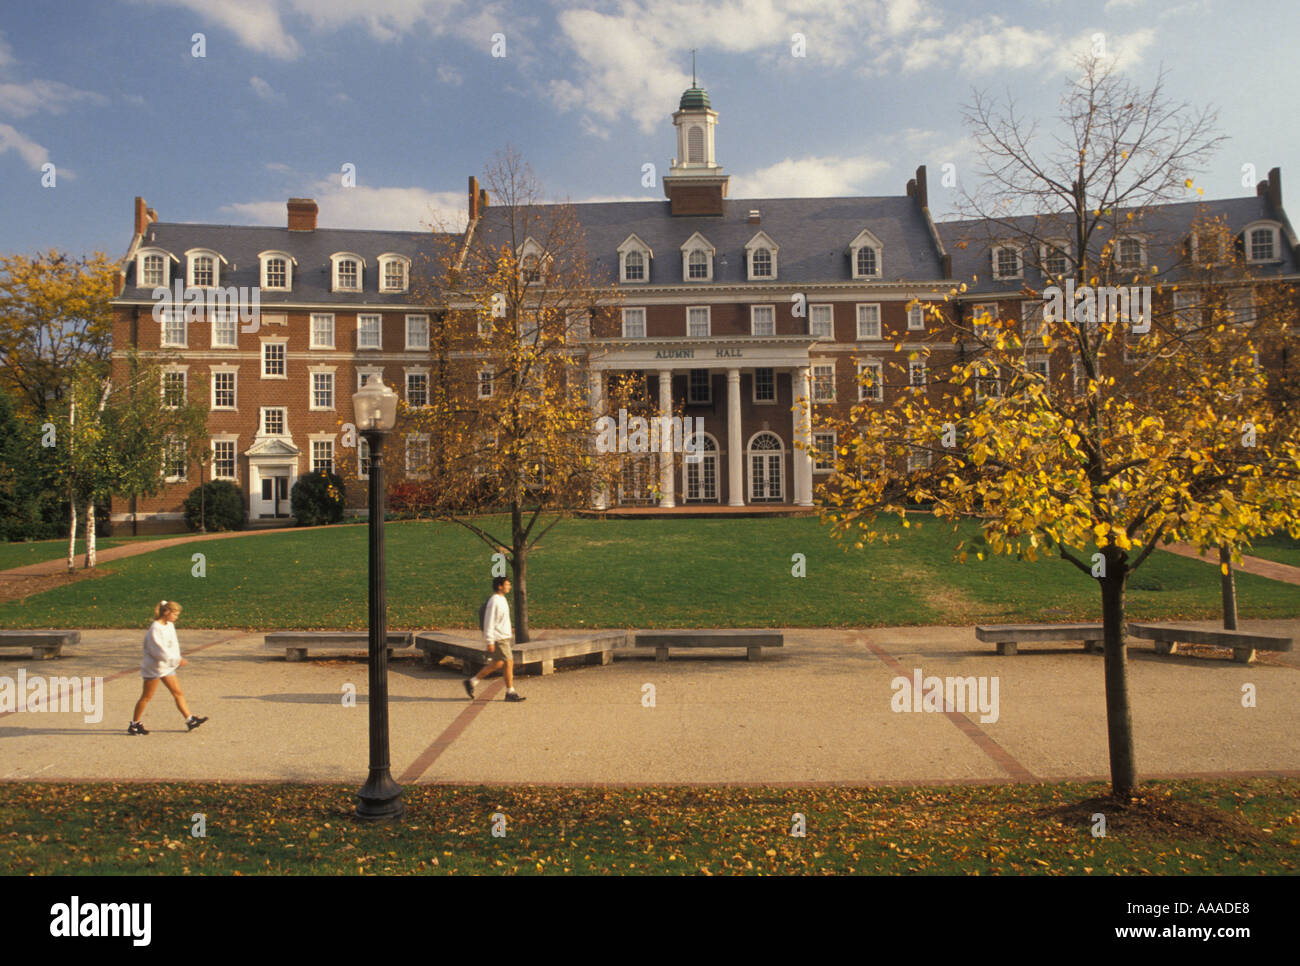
x=531, y=271
x=701, y=470
x=762, y=263
x=766, y=468
x=866, y=261
x=698, y=264
x=634, y=267
x=695, y=145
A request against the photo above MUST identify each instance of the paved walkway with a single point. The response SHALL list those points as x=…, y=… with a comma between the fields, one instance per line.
x=1249, y=565
x=818, y=711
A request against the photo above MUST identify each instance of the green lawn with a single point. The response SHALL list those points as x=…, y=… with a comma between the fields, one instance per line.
x=1279, y=548
x=618, y=573
x=35, y=551
x=1243, y=827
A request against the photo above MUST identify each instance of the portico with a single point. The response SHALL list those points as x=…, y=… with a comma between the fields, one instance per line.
x=761, y=433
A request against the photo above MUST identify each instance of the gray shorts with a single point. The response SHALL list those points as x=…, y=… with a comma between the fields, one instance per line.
x=501, y=652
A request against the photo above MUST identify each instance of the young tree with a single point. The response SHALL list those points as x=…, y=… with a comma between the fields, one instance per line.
x=509, y=420
x=1126, y=438
x=54, y=316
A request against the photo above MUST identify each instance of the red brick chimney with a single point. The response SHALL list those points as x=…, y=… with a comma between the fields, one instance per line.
x=141, y=215
x=473, y=199
x=302, y=214
x=1272, y=189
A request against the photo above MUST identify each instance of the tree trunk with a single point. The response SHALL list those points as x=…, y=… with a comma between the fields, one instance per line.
x=1229, y=590
x=90, y=534
x=1119, y=721
x=519, y=564
x=72, y=533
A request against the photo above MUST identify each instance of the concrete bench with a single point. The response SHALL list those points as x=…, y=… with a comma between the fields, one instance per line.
x=44, y=644
x=1008, y=636
x=751, y=640
x=296, y=644
x=537, y=656
x=1167, y=637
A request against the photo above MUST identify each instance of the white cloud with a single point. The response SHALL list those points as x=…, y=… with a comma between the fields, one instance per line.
x=450, y=75
x=29, y=97
x=262, y=89
x=392, y=209
x=808, y=178
x=32, y=153
x=256, y=24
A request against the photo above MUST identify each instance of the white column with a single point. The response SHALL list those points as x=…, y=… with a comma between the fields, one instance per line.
x=735, y=457
x=596, y=399
x=666, y=463
x=803, y=461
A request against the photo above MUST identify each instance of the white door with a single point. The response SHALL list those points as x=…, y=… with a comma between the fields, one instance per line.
x=702, y=475
x=766, y=468
x=271, y=497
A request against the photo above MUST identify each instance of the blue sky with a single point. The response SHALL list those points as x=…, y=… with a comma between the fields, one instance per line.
x=410, y=93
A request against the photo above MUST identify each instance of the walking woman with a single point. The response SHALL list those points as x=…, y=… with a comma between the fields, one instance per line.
x=162, y=656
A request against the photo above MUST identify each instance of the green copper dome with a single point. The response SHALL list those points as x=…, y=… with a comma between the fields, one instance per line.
x=694, y=99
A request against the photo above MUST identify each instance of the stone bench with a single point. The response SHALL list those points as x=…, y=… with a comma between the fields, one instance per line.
x=1008, y=636
x=1167, y=637
x=44, y=644
x=296, y=644
x=751, y=640
x=537, y=656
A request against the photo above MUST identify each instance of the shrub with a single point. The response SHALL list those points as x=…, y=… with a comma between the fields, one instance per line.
x=317, y=498
x=410, y=498
x=223, y=506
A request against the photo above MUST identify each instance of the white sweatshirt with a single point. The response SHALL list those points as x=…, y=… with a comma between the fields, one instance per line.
x=162, y=652
x=496, y=620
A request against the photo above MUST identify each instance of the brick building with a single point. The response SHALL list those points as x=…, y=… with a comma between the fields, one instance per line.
x=732, y=309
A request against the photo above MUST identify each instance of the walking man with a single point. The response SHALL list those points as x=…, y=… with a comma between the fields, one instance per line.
x=497, y=633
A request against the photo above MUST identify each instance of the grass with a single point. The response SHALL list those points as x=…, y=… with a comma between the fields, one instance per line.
x=617, y=573
x=1279, y=548
x=21, y=554
x=1247, y=826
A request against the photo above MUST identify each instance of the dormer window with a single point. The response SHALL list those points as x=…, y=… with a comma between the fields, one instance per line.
x=349, y=272
x=532, y=262
x=394, y=273
x=530, y=270
x=634, y=260
x=697, y=259
x=760, y=255
x=1054, y=259
x=865, y=255
x=1129, y=254
x=1006, y=261
x=277, y=271
x=1261, y=243
x=153, y=268
x=204, y=270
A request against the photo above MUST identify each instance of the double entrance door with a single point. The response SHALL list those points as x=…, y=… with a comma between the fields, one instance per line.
x=272, y=496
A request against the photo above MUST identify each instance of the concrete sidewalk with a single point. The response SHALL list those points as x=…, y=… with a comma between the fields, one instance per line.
x=818, y=710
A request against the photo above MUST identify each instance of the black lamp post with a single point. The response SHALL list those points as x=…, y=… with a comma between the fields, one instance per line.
x=375, y=410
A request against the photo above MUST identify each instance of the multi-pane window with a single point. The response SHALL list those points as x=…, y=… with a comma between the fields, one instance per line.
x=277, y=273
x=365, y=375
x=1033, y=324
x=1129, y=253
x=871, y=381
x=322, y=390
x=363, y=458
x=485, y=384
x=417, y=388
x=823, y=383
x=764, y=385
x=700, y=387
x=273, y=359
x=866, y=261
x=154, y=271
x=821, y=321
x=395, y=275
x=368, y=332
x=823, y=452
x=322, y=455
x=761, y=263
x=417, y=454
x=322, y=330
x=697, y=322
x=223, y=389
x=223, y=459
x=697, y=264
x=349, y=275
x=1187, y=310
x=273, y=421
x=988, y=383
x=634, y=323
x=417, y=332
x=176, y=466
x=1040, y=365
x=1241, y=303
x=1006, y=262
x=173, y=327
x=763, y=319
x=173, y=389
x=634, y=267
x=916, y=372
x=1080, y=373
x=869, y=321
x=1054, y=262
x=224, y=329
x=531, y=267
x=204, y=270
x=916, y=318
x=578, y=324
x=918, y=458
x=1261, y=245
x=983, y=321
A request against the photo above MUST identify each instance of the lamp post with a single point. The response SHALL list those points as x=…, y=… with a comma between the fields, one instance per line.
x=375, y=410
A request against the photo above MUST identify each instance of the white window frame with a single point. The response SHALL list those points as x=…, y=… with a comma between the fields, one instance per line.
x=183, y=372
x=830, y=334
x=261, y=421
x=141, y=256
x=916, y=317
x=290, y=263
x=233, y=443
x=824, y=367
x=1240, y=302
x=918, y=366
x=312, y=374
x=984, y=331
x=175, y=315
x=424, y=343
x=420, y=438
x=1033, y=322
x=363, y=458
x=170, y=446
x=817, y=451
x=490, y=382
x=283, y=343
x=406, y=386
x=982, y=380
x=753, y=320
x=321, y=439
x=1248, y=236
x=857, y=318
x=379, y=331
x=336, y=261
x=633, y=310
x=314, y=341
x=223, y=316
x=698, y=243
x=1142, y=253
x=754, y=380
x=1045, y=251
x=191, y=258
x=1188, y=314
x=366, y=371
x=760, y=242
x=996, y=253
x=634, y=244
x=708, y=321
x=390, y=258
x=225, y=370
x=865, y=239
x=877, y=388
